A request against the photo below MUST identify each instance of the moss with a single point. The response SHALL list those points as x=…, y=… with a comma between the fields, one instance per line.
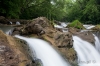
x=76, y=24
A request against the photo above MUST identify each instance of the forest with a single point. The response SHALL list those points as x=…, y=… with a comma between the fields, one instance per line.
x=86, y=11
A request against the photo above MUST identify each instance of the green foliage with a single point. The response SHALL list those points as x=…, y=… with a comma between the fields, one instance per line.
x=76, y=24
x=87, y=11
x=10, y=8
x=29, y=9
x=51, y=9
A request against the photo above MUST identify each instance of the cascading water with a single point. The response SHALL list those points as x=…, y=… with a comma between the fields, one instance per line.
x=97, y=43
x=7, y=29
x=45, y=52
x=88, y=26
x=87, y=54
x=9, y=32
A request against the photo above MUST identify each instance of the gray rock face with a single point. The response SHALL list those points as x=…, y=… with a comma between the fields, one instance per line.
x=64, y=40
x=35, y=29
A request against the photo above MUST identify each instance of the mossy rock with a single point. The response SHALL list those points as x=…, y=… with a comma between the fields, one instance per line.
x=76, y=24
x=97, y=27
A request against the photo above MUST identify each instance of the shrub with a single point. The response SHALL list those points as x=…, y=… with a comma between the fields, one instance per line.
x=76, y=24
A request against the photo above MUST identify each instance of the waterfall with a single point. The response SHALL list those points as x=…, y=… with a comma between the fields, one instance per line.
x=9, y=32
x=87, y=54
x=97, y=43
x=88, y=26
x=7, y=29
x=45, y=52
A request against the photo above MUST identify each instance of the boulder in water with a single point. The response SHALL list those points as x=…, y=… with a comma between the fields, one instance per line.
x=36, y=26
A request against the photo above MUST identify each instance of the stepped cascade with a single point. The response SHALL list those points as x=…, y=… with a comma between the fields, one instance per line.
x=87, y=54
x=45, y=52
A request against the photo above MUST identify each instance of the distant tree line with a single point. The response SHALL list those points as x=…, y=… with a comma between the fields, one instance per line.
x=28, y=9
x=86, y=11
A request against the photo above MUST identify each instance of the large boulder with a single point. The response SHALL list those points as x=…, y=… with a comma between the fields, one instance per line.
x=13, y=52
x=43, y=21
x=36, y=26
x=34, y=29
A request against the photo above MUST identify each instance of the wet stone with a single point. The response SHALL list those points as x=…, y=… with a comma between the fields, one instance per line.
x=2, y=48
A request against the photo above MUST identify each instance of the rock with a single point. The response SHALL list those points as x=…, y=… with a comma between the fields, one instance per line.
x=61, y=41
x=43, y=21
x=87, y=36
x=35, y=29
x=17, y=31
x=64, y=40
x=96, y=28
x=36, y=26
x=6, y=21
x=3, y=20
x=73, y=30
x=13, y=52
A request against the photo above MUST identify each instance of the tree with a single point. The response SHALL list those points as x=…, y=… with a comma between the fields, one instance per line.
x=10, y=8
x=87, y=11
x=29, y=9
x=51, y=9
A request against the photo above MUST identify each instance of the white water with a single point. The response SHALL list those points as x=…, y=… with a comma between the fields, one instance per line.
x=88, y=26
x=58, y=26
x=7, y=29
x=63, y=24
x=97, y=43
x=87, y=54
x=45, y=52
x=18, y=23
x=9, y=32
